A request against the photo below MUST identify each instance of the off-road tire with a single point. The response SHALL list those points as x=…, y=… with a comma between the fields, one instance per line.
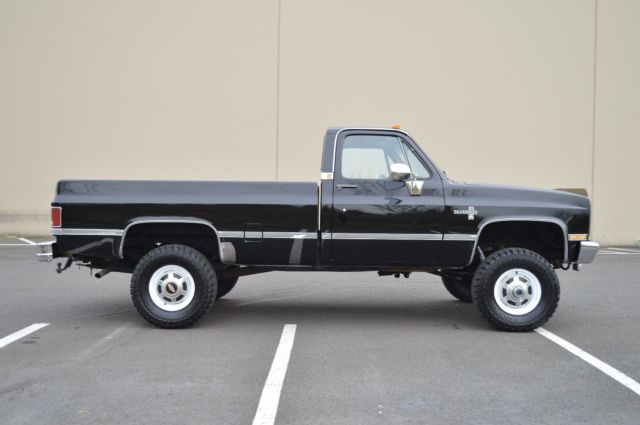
x=458, y=286
x=487, y=276
x=204, y=283
x=225, y=286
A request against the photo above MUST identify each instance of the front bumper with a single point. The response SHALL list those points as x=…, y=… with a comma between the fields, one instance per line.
x=588, y=251
x=45, y=251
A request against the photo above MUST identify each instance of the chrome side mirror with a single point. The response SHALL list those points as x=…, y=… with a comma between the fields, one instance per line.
x=400, y=172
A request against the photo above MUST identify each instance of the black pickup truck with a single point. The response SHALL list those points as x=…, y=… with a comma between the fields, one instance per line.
x=381, y=204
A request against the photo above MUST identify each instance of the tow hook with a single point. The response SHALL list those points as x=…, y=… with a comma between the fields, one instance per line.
x=60, y=269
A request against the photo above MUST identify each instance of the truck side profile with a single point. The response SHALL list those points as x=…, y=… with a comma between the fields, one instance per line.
x=381, y=204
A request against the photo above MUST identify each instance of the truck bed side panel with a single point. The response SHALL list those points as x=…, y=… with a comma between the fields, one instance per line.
x=280, y=218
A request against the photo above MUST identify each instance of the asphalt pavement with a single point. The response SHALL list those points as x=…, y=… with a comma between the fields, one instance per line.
x=366, y=350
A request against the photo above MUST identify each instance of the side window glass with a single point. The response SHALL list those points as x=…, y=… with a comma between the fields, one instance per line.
x=417, y=167
x=370, y=157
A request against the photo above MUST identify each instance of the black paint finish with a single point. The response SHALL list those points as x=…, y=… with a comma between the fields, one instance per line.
x=370, y=207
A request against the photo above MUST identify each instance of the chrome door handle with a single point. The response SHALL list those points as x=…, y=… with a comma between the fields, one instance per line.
x=347, y=186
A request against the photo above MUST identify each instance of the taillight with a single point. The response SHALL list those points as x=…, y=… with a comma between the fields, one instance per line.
x=56, y=216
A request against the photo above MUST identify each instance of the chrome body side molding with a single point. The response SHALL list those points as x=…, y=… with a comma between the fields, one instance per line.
x=232, y=234
x=60, y=231
x=460, y=237
x=385, y=236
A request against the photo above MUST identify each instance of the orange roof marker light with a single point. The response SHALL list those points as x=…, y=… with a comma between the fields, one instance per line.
x=396, y=126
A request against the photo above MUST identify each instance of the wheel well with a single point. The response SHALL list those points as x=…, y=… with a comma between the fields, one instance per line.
x=545, y=238
x=142, y=238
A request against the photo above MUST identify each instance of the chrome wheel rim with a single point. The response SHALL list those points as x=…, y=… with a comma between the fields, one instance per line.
x=171, y=288
x=517, y=292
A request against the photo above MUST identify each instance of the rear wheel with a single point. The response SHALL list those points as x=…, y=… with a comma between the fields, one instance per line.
x=516, y=289
x=459, y=286
x=173, y=286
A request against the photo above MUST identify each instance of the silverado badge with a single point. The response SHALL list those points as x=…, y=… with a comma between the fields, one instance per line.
x=470, y=212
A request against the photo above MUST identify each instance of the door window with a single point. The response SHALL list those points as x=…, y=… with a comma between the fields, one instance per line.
x=370, y=157
x=417, y=167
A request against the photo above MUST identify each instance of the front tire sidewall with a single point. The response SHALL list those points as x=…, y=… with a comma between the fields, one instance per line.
x=203, y=276
x=486, y=278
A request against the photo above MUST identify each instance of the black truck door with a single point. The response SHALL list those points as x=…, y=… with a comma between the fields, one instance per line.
x=375, y=219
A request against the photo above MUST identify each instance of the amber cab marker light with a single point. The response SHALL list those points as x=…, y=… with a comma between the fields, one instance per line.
x=578, y=237
x=56, y=216
x=396, y=126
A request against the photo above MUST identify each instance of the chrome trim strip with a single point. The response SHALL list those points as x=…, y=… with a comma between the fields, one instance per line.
x=386, y=236
x=226, y=234
x=231, y=234
x=401, y=236
x=319, y=206
x=459, y=237
x=290, y=235
x=61, y=231
x=168, y=220
x=553, y=220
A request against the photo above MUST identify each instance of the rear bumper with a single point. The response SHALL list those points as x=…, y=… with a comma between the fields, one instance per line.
x=588, y=251
x=45, y=251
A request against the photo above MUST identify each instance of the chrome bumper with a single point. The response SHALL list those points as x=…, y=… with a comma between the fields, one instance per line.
x=45, y=251
x=588, y=251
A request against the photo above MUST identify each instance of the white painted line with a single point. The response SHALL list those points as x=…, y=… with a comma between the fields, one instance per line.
x=268, y=406
x=86, y=353
x=27, y=241
x=625, y=249
x=21, y=334
x=598, y=364
x=14, y=244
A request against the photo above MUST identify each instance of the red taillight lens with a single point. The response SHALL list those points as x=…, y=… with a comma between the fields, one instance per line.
x=56, y=216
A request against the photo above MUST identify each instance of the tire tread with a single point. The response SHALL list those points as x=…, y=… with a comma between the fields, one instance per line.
x=199, y=261
x=482, y=291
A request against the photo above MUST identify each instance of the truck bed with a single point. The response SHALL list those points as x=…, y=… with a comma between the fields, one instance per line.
x=262, y=220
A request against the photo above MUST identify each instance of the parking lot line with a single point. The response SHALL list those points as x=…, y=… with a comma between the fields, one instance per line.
x=21, y=334
x=597, y=363
x=268, y=406
x=113, y=334
x=14, y=244
x=619, y=252
x=27, y=241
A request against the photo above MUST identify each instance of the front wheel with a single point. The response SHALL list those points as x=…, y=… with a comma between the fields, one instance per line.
x=516, y=289
x=173, y=286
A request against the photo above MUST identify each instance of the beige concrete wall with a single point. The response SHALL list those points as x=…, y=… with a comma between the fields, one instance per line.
x=132, y=89
x=617, y=126
x=495, y=91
